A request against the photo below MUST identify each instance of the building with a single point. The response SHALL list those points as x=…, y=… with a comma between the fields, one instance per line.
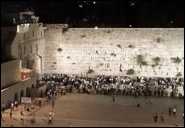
x=21, y=62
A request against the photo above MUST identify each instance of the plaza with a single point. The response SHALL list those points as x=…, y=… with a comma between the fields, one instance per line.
x=75, y=109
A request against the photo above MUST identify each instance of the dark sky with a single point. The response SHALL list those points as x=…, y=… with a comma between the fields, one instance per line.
x=108, y=13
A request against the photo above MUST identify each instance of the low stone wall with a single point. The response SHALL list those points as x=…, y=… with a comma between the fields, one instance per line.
x=10, y=72
x=8, y=94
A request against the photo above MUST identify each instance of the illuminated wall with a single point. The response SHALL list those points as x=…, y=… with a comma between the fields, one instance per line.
x=106, y=50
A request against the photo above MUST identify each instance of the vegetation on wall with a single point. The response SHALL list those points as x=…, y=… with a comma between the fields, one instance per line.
x=119, y=46
x=108, y=31
x=141, y=61
x=130, y=46
x=130, y=71
x=59, y=49
x=97, y=52
x=156, y=61
x=158, y=40
x=176, y=60
x=83, y=36
x=90, y=71
x=113, y=54
x=64, y=30
x=179, y=74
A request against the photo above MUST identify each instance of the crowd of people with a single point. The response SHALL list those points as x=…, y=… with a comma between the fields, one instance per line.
x=113, y=85
x=108, y=85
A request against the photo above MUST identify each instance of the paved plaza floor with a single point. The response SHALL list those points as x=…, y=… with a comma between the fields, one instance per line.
x=99, y=110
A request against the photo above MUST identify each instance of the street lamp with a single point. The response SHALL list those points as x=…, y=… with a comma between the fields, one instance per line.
x=96, y=27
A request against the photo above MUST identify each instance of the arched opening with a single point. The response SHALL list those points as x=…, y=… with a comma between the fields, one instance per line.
x=21, y=94
x=32, y=86
x=16, y=97
x=41, y=93
x=28, y=92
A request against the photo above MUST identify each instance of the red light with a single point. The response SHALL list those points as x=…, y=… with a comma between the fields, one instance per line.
x=24, y=76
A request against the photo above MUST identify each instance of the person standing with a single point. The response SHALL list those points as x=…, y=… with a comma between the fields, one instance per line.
x=22, y=116
x=169, y=111
x=2, y=117
x=162, y=117
x=12, y=106
x=183, y=115
x=113, y=98
x=16, y=104
x=11, y=114
x=174, y=111
x=155, y=117
x=50, y=118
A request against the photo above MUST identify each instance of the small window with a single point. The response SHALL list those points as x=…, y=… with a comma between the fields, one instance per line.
x=24, y=49
x=31, y=49
x=20, y=51
x=33, y=34
x=37, y=48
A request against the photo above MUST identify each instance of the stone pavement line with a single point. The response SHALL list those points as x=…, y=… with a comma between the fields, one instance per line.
x=69, y=122
x=76, y=122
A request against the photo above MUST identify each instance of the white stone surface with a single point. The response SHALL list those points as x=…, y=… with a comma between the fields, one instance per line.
x=81, y=44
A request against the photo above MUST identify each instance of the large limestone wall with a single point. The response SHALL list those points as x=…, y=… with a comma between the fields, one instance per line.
x=106, y=49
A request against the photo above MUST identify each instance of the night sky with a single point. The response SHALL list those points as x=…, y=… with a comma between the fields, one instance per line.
x=105, y=13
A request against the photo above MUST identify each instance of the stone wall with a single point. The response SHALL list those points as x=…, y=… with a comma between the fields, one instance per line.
x=8, y=94
x=112, y=51
x=10, y=72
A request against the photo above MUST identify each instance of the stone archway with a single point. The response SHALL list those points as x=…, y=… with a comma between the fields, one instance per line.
x=41, y=94
x=28, y=92
x=21, y=94
x=16, y=97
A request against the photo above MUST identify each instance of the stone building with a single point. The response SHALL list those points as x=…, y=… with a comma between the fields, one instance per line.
x=21, y=61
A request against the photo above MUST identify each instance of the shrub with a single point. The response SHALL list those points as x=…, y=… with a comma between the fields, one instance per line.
x=113, y=54
x=119, y=46
x=65, y=30
x=90, y=71
x=179, y=74
x=176, y=60
x=59, y=49
x=140, y=60
x=108, y=31
x=156, y=60
x=83, y=36
x=130, y=46
x=130, y=72
x=158, y=40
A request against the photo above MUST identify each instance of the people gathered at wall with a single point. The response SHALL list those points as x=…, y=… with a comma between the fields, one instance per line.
x=118, y=85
